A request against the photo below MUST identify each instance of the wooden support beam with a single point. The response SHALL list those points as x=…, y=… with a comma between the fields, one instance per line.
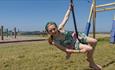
x=94, y=18
x=105, y=9
x=104, y=5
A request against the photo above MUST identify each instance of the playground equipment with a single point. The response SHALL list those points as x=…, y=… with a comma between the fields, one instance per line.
x=2, y=32
x=74, y=20
x=112, y=38
x=93, y=15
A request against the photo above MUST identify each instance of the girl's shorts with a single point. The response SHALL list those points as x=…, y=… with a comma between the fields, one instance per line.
x=82, y=37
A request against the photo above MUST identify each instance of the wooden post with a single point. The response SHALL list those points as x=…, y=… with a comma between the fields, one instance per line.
x=94, y=18
x=2, y=36
x=7, y=32
x=15, y=32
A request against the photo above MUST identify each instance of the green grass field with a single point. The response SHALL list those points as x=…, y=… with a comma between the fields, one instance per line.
x=42, y=56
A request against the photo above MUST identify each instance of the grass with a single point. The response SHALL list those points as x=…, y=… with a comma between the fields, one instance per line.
x=42, y=56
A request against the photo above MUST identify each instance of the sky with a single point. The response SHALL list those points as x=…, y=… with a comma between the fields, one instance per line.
x=32, y=15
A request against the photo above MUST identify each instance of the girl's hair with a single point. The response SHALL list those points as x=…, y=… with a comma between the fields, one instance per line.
x=51, y=23
x=50, y=39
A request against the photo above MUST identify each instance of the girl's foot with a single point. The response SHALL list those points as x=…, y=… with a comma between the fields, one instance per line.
x=95, y=67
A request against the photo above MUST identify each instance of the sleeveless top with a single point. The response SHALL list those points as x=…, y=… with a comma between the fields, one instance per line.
x=67, y=41
x=70, y=40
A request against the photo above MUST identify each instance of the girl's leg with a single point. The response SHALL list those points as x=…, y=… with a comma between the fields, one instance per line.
x=68, y=55
x=92, y=42
x=90, y=59
x=89, y=51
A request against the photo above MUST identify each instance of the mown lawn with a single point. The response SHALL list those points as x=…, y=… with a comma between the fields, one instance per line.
x=42, y=56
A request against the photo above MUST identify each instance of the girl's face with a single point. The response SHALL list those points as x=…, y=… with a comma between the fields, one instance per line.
x=52, y=29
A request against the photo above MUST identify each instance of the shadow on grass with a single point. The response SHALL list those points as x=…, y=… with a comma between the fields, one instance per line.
x=106, y=65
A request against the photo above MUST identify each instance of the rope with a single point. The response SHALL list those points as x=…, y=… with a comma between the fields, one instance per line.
x=73, y=14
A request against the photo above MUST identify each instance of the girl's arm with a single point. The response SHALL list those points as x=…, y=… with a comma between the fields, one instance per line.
x=60, y=47
x=64, y=21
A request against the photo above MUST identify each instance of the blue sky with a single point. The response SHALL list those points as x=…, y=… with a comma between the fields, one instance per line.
x=30, y=15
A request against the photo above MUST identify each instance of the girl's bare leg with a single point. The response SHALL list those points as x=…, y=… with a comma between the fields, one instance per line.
x=89, y=51
x=92, y=42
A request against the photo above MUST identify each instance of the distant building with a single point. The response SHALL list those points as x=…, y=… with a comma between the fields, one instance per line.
x=112, y=38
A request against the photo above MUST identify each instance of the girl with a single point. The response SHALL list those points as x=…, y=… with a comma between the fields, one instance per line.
x=67, y=41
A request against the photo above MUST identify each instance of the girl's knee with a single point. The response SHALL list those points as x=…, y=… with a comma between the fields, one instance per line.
x=91, y=40
x=89, y=48
x=95, y=41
